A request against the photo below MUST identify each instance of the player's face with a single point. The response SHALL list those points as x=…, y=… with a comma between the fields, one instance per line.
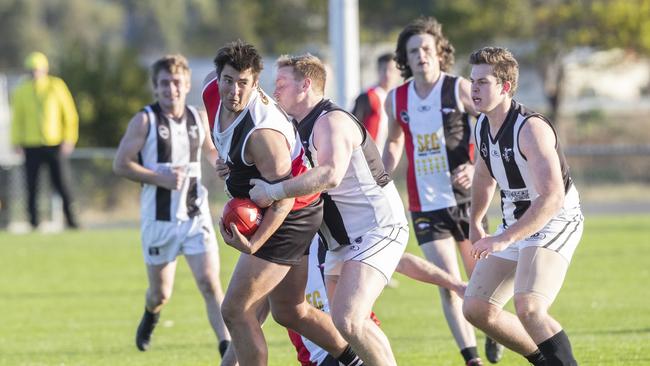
x=287, y=89
x=171, y=89
x=421, y=54
x=389, y=75
x=487, y=91
x=236, y=87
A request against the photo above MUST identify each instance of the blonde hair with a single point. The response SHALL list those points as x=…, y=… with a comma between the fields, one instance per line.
x=504, y=65
x=306, y=66
x=173, y=64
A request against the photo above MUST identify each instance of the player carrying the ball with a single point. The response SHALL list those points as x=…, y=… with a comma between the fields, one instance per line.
x=257, y=141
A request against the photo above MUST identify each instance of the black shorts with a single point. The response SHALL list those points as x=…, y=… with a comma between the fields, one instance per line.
x=443, y=223
x=292, y=239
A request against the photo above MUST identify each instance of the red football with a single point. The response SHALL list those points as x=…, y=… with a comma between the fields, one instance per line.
x=244, y=213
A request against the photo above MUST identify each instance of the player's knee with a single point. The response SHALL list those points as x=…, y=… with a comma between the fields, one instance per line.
x=159, y=297
x=476, y=311
x=348, y=325
x=230, y=311
x=529, y=308
x=288, y=316
x=206, y=285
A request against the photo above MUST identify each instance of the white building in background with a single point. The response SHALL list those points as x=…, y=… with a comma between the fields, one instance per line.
x=614, y=74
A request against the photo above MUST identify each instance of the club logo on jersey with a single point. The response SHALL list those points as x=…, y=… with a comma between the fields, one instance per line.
x=424, y=108
x=495, y=153
x=404, y=116
x=484, y=150
x=194, y=132
x=163, y=132
x=536, y=236
x=507, y=154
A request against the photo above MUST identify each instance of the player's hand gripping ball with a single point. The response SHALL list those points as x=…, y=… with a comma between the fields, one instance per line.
x=244, y=214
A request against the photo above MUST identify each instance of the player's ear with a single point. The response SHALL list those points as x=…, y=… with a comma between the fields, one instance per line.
x=506, y=87
x=306, y=84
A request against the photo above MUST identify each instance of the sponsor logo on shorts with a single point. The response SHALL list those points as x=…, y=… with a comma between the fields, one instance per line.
x=358, y=240
x=422, y=224
x=536, y=236
x=154, y=251
x=354, y=247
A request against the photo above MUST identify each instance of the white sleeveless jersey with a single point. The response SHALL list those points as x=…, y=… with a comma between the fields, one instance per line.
x=509, y=167
x=261, y=112
x=437, y=135
x=366, y=198
x=171, y=144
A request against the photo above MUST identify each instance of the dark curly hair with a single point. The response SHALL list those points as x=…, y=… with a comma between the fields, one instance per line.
x=424, y=25
x=239, y=55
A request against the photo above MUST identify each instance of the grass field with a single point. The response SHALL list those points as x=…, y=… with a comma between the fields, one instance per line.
x=76, y=298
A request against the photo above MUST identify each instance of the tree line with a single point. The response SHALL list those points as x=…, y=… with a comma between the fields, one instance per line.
x=95, y=45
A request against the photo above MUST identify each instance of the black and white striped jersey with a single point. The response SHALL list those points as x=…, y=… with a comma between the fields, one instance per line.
x=171, y=144
x=261, y=112
x=366, y=198
x=509, y=167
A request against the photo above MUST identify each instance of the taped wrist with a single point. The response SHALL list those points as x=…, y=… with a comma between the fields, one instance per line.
x=275, y=189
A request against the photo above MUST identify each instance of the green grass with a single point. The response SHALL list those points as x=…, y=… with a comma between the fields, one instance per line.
x=76, y=299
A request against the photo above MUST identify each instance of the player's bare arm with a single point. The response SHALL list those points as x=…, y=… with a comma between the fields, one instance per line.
x=334, y=139
x=395, y=140
x=465, y=96
x=268, y=150
x=335, y=136
x=126, y=162
x=209, y=150
x=482, y=193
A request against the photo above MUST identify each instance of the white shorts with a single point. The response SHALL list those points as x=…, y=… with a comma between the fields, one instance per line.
x=562, y=235
x=163, y=241
x=381, y=248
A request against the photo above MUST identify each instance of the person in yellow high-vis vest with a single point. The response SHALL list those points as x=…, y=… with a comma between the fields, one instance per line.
x=45, y=128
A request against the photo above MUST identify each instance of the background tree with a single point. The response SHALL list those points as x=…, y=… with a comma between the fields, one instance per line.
x=109, y=87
